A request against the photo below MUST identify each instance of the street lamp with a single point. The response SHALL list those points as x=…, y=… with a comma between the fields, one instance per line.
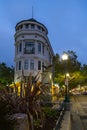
x=67, y=87
x=65, y=58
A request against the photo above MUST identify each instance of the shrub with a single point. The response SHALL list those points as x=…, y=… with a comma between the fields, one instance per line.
x=50, y=113
x=5, y=122
x=29, y=100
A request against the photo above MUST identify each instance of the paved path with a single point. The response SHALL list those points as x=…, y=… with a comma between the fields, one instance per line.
x=78, y=116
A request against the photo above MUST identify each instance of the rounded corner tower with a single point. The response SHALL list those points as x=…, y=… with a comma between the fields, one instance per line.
x=32, y=48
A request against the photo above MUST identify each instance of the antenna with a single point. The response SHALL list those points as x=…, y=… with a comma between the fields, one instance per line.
x=32, y=12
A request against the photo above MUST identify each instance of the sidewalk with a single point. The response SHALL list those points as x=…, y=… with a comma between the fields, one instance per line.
x=76, y=123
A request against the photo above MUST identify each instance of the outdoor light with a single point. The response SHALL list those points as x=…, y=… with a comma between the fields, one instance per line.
x=66, y=79
x=67, y=74
x=65, y=58
x=50, y=76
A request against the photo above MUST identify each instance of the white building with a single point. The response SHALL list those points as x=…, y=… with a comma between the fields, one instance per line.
x=32, y=48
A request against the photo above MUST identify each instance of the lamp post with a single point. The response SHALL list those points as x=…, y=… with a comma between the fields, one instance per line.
x=67, y=87
x=65, y=58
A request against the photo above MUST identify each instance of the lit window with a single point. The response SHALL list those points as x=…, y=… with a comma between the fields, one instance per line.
x=39, y=65
x=29, y=48
x=26, y=64
x=31, y=64
x=39, y=47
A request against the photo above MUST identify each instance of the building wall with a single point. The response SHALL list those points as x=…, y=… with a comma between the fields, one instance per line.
x=31, y=35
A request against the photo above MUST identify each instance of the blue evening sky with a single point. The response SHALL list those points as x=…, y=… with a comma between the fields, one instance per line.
x=66, y=21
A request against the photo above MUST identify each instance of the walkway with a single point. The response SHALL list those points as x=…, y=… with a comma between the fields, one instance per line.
x=76, y=110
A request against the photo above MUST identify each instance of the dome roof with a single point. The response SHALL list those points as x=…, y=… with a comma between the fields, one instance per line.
x=31, y=20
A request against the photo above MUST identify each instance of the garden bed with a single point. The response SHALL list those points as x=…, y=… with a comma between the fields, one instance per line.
x=49, y=124
x=51, y=117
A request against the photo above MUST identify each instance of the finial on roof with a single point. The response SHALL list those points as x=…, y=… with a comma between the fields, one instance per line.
x=32, y=12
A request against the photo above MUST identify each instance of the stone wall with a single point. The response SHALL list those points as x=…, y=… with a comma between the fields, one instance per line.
x=21, y=121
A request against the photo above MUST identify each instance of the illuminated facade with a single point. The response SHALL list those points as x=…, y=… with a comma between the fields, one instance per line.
x=33, y=50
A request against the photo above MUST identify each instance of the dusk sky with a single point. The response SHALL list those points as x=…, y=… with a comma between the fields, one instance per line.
x=66, y=21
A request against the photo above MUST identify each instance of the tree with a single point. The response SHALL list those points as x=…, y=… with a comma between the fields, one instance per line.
x=84, y=73
x=73, y=67
x=6, y=74
x=57, y=65
x=72, y=63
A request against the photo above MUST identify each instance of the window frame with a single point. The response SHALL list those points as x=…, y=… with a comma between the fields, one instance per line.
x=39, y=47
x=26, y=64
x=29, y=48
x=39, y=65
x=20, y=47
x=19, y=65
x=31, y=64
x=43, y=47
x=26, y=26
x=32, y=26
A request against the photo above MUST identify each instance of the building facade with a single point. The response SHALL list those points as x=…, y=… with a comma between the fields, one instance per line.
x=33, y=50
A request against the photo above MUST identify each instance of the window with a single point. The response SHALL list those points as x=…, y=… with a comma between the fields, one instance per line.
x=26, y=64
x=43, y=66
x=17, y=49
x=26, y=26
x=19, y=67
x=35, y=36
x=21, y=26
x=39, y=65
x=43, y=30
x=20, y=47
x=39, y=28
x=31, y=64
x=32, y=26
x=43, y=49
x=29, y=48
x=49, y=58
x=17, y=29
x=16, y=66
x=39, y=47
x=22, y=36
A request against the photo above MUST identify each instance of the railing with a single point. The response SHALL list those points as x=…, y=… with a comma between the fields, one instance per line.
x=60, y=118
